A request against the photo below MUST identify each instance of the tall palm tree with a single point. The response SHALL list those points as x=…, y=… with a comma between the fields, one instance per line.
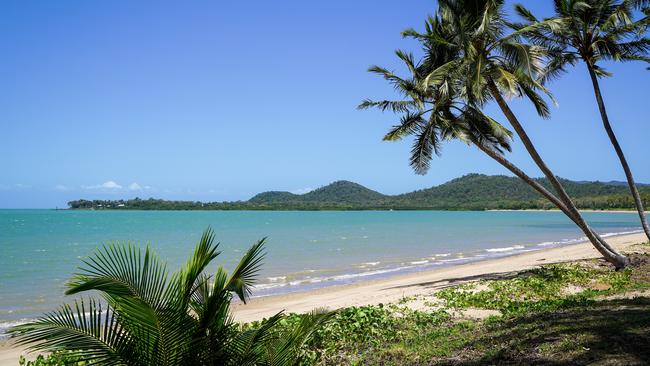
x=146, y=317
x=592, y=31
x=469, y=53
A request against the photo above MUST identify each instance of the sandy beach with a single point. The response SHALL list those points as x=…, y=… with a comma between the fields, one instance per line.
x=394, y=288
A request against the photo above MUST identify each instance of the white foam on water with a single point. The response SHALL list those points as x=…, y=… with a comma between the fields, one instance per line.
x=371, y=263
x=606, y=235
x=504, y=249
x=454, y=260
x=268, y=286
x=420, y=262
x=276, y=279
x=4, y=326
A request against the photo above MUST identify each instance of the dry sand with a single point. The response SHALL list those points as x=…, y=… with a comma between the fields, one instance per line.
x=395, y=288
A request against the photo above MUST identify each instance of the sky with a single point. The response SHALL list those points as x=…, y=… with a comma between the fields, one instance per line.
x=215, y=100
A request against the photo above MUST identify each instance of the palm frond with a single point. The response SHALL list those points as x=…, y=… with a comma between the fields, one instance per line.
x=425, y=144
x=408, y=124
x=392, y=105
x=119, y=270
x=204, y=253
x=284, y=351
x=245, y=274
x=249, y=345
x=90, y=332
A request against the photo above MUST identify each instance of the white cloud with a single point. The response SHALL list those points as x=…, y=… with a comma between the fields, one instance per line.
x=106, y=185
x=135, y=187
x=302, y=190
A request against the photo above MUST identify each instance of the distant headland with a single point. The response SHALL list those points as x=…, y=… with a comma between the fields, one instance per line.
x=470, y=192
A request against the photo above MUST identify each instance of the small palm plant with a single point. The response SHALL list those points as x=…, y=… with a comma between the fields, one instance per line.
x=147, y=317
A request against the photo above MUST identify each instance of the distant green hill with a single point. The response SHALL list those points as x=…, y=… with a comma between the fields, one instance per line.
x=340, y=192
x=470, y=192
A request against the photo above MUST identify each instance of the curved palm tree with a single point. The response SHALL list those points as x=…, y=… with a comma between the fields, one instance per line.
x=434, y=115
x=481, y=63
x=592, y=31
x=146, y=317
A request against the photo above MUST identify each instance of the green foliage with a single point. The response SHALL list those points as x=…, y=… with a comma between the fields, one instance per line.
x=591, y=31
x=57, y=358
x=540, y=289
x=357, y=331
x=470, y=192
x=541, y=322
x=340, y=192
x=147, y=317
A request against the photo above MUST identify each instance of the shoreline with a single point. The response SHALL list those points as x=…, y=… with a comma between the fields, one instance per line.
x=615, y=210
x=279, y=286
x=392, y=289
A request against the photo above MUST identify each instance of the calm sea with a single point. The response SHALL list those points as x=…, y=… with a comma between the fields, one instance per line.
x=39, y=249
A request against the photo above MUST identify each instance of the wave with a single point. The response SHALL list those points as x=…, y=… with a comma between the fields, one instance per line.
x=420, y=262
x=280, y=285
x=607, y=235
x=4, y=326
x=504, y=249
x=584, y=238
x=276, y=279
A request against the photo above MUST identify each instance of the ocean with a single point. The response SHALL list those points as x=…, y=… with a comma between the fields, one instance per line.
x=40, y=249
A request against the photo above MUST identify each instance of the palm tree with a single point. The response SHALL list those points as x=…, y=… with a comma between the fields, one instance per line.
x=468, y=53
x=434, y=115
x=146, y=317
x=592, y=31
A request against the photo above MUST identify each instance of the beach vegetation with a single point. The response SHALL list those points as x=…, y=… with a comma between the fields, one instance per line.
x=56, y=358
x=546, y=288
x=574, y=313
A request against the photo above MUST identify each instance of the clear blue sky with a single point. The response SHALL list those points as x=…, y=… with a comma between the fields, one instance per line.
x=214, y=100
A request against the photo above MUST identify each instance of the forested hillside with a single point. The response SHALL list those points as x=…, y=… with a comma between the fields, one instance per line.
x=470, y=192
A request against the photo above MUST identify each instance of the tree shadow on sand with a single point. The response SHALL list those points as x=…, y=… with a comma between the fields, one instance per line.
x=615, y=332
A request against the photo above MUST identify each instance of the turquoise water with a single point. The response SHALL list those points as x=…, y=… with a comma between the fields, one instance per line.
x=39, y=249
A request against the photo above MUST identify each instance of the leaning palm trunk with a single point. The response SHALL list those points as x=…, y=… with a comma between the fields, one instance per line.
x=499, y=158
x=609, y=253
x=612, y=137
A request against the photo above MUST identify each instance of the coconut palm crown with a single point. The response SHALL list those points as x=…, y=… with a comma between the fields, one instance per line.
x=593, y=31
x=431, y=109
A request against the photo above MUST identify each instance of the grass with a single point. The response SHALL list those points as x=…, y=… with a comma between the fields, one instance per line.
x=547, y=288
